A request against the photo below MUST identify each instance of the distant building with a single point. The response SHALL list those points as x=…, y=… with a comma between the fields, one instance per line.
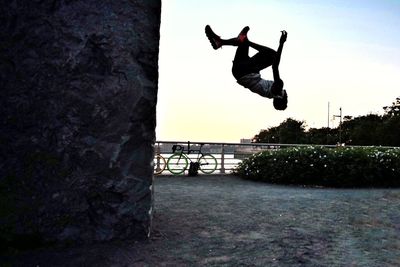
x=246, y=141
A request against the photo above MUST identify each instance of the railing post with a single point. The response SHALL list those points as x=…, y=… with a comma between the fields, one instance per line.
x=222, y=170
x=158, y=168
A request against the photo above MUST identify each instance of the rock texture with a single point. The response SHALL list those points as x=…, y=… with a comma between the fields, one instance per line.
x=78, y=91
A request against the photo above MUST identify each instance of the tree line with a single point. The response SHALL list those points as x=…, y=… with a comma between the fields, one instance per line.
x=367, y=130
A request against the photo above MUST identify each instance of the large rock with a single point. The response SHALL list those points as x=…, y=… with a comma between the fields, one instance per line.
x=78, y=85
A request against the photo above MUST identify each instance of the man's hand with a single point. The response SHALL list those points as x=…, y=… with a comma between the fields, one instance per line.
x=283, y=37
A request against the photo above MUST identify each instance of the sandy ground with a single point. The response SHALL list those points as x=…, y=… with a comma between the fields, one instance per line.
x=227, y=221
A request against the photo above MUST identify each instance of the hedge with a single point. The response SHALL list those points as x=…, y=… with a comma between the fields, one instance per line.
x=320, y=166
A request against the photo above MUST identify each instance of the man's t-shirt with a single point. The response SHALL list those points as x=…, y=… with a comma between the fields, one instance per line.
x=256, y=84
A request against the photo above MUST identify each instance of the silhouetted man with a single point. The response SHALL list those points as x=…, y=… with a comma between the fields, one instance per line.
x=246, y=69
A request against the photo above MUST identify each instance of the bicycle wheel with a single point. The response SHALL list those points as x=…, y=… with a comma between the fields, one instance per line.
x=177, y=163
x=159, y=164
x=208, y=163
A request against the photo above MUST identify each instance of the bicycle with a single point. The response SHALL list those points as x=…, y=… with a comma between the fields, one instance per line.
x=159, y=164
x=179, y=161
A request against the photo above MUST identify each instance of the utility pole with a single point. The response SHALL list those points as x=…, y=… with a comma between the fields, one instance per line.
x=329, y=116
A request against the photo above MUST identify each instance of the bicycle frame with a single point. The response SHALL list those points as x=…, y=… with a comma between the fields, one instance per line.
x=180, y=149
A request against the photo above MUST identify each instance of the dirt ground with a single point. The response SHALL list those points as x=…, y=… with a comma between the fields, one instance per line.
x=227, y=221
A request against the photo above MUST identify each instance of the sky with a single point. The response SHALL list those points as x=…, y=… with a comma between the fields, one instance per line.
x=345, y=53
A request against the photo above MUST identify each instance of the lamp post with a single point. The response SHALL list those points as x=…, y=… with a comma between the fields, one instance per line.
x=340, y=125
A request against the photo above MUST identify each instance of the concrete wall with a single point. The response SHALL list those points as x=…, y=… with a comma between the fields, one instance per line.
x=78, y=85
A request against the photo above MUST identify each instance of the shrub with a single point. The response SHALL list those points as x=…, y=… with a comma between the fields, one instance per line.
x=335, y=167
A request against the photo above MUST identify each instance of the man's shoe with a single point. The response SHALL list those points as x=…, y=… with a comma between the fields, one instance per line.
x=243, y=34
x=215, y=40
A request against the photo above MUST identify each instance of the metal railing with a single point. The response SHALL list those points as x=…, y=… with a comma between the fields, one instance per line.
x=228, y=155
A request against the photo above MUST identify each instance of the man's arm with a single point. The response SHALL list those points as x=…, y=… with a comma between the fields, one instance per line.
x=275, y=65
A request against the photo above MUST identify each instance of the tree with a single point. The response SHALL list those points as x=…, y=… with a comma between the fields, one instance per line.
x=288, y=132
x=271, y=135
x=394, y=109
x=369, y=130
x=292, y=132
x=362, y=130
x=390, y=131
x=322, y=136
x=391, y=124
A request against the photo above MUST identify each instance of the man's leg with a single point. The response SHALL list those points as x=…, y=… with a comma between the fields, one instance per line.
x=217, y=42
x=241, y=62
x=263, y=59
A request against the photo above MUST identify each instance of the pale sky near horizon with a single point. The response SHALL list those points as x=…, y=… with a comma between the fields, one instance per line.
x=346, y=53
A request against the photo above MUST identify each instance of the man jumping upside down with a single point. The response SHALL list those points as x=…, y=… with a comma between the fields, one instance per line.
x=246, y=69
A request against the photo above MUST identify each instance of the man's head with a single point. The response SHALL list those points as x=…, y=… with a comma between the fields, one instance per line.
x=280, y=102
